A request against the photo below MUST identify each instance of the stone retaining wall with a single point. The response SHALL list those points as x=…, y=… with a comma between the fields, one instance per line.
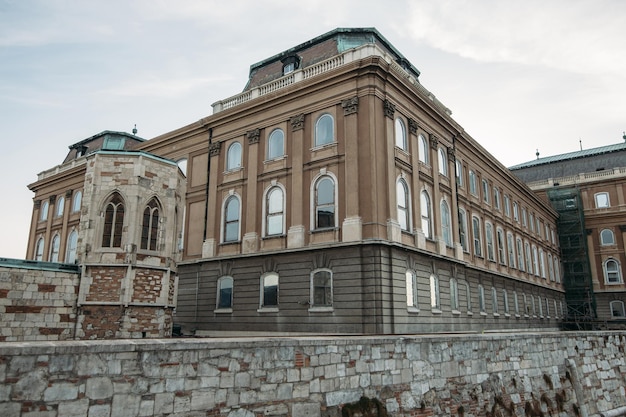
x=534, y=374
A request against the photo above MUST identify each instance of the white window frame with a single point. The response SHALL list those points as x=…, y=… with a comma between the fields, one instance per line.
x=314, y=184
x=225, y=219
x=423, y=149
x=328, y=306
x=435, y=295
x=617, y=271
x=477, y=236
x=600, y=203
x=263, y=306
x=443, y=162
x=489, y=238
x=318, y=140
x=463, y=230
x=446, y=223
x=604, y=237
x=267, y=214
x=426, y=214
x=218, y=297
x=403, y=205
x=400, y=134
x=411, y=291
x=272, y=142
x=233, y=160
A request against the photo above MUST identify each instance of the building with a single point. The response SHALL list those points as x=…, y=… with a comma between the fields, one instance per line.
x=335, y=194
x=588, y=188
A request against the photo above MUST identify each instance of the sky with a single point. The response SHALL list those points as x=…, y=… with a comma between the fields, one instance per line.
x=519, y=76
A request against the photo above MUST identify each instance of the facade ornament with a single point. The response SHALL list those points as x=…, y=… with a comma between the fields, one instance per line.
x=451, y=154
x=622, y=227
x=389, y=108
x=68, y=193
x=53, y=199
x=37, y=204
x=350, y=105
x=215, y=148
x=434, y=141
x=413, y=126
x=297, y=122
x=253, y=136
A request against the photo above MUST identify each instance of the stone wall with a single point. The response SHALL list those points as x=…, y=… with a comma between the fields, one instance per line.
x=38, y=304
x=533, y=374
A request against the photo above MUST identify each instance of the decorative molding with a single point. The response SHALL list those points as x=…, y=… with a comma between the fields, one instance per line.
x=215, y=148
x=37, y=204
x=69, y=193
x=451, y=155
x=622, y=227
x=413, y=126
x=253, y=136
x=53, y=199
x=297, y=122
x=434, y=141
x=350, y=105
x=389, y=108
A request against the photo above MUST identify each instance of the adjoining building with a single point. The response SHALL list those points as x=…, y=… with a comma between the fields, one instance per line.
x=588, y=189
x=335, y=194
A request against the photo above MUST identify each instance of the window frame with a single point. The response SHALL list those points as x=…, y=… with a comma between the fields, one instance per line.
x=59, y=206
x=234, y=156
x=623, y=310
x=458, y=167
x=446, y=223
x=604, y=241
x=219, y=306
x=320, y=140
x=454, y=296
x=495, y=307
x=39, y=247
x=227, y=221
x=435, y=293
x=263, y=292
x=496, y=198
x=43, y=211
x=477, y=236
x=268, y=214
x=463, y=230
x=77, y=200
x=315, y=209
x=426, y=214
x=411, y=290
x=607, y=273
x=486, y=191
x=473, y=185
x=491, y=256
x=71, y=247
x=55, y=248
x=113, y=221
x=510, y=246
x=328, y=292
x=150, y=232
x=273, y=140
x=403, y=205
x=400, y=137
x=442, y=159
x=481, y=299
x=598, y=203
x=423, y=149
x=501, y=246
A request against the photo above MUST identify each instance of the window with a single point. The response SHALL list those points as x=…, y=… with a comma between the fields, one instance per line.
x=557, y=270
x=54, y=249
x=535, y=261
x=402, y=196
x=454, y=295
x=423, y=149
x=542, y=263
x=515, y=303
x=607, y=237
x=72, y=245
x=529, y=263
x=60, y=206
x=446, y=228
x=540, y=306
x=489, y=238
x=481, y=298
x=556, y=311
x=150, y=225
x=114, y=143
x=547, y=307
x=538, y=228
x=43, y=214
x=233, y=156
x=486, y=198
x=547, y=232
x=550, y=267
x=520, y=254
x=612, y=273
x=463, y=229
x=269, y=290
x=443, y=162
x=113, y=222
x=276, y=144
x=531, y=222
x=602, y=200
x=321, y=288
x=232, y=214
x=274, y=209
x=435, y=302
x=494, y=300
x=76, y=201
x=411, y=290
x=496, y=198
x=523, y=216
x=224, y=293
x=325, y=203
x=525, y=305
x=425, y=210
x=468, y=298
x=400, y=134
x=617, y=309
x=501, y=252
x=477, y=237
x=39, y=250
x=532, y=303
x=459, y=173
x=324, y=130
x=515, y=212
x=472, y=183
x=507, y=205
x=510, y=245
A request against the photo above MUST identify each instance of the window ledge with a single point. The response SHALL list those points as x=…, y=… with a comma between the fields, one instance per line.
x=436, y=311
x=456, y=313
x=223, y=310
x=234, y=242
x=517, y=316
x=507, y=315
x=483, y=313
x=325, y=145
x=324, y=229
x=233, y=170
x=469, y=313
x=496, y=314
x=267, y=310
x=275, y=159
x=280, y=236
x=321, y=310
x=414, y=310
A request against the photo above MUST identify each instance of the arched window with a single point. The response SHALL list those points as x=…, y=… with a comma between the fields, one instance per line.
x=43, y=214
x=54, y=248
x=322, y=288
x=617, y=309
x=76, y=201
x=402, y=197
x=276, y=144
x=529, y=262
x=612, y=272
x=443, y=162
x=535, y=261
x=233, y=156
x=472, y=183
x=520, y=254
x=39, y=250
x=478, y=244
x=269, y=290
x=411, y=290
x=542, y=263
x=435, y=299
x=232, y=214
x=60, y=205
x=496, y=198
x=446, y=227
x=425, y=211
x=501, y=253
x=72, y=245
x=454, y=295
x=400, y=134
x=463, y=229
x=325, y=203
x=423, y=149
x=511, y=249
x=113, y=222
x=224, y=293
x=275, y=209
x=489, y=237
x=607, y=237
x=150, y=225
x=324, y=130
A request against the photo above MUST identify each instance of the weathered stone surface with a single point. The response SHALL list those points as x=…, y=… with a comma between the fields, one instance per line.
x=306, y=410
x=98, y=388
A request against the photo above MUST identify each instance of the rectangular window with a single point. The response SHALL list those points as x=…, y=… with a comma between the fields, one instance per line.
x=602, y=200
x=507, y=206
x=322, y=289
x=477, y=237
x=485, y=191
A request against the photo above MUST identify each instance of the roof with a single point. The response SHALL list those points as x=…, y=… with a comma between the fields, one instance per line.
x=571, y=155
x=39, y=265
x=104, y=133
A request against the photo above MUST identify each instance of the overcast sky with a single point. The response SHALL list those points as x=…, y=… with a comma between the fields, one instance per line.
x=517, y=75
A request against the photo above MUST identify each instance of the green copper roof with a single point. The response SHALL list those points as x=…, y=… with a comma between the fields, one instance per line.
x=571, y=155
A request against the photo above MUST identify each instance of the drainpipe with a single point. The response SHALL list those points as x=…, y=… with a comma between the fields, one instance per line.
x=206, y=191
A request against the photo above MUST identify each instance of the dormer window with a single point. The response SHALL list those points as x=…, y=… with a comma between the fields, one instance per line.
x=290, y=64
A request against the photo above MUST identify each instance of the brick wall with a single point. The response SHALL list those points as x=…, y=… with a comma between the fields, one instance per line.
x=37, y=304
x=533, y=374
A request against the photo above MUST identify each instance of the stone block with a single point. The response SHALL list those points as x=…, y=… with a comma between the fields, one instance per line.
x=164, y=402
x=202, y=400
x=342, y=397
x=125, y=405
x=60, y=391
x=100, y=410
x=78, y=408
x=98, y=388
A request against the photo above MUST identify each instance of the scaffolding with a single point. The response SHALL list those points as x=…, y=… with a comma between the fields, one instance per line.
x=577, y=280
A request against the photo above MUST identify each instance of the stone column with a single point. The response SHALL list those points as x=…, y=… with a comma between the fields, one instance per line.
x=352, y=224
x=209, y=245
x=436, y=195
x=251, y=235
x=295, y=232
x=454, y=206
x=394, y=232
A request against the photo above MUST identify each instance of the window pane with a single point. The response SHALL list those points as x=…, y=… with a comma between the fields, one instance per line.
x=270, y=290
x=324, y=130
x=276, y=144
x=225, y=294
x=275, y=224
x=602, y=200
x=325, y=207
x=400, y=134
x=322, y=289
x=423, y=149
x=60, y=206
x=275, y=201
x=77, y=201
x=234, y=156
